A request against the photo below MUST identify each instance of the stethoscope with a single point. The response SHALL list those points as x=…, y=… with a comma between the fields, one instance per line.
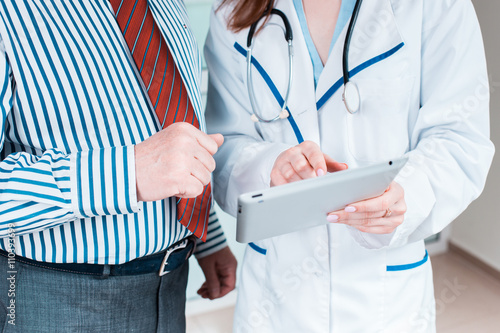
x=350, y=96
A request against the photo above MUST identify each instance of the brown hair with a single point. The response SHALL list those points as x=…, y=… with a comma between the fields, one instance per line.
x=246, y=12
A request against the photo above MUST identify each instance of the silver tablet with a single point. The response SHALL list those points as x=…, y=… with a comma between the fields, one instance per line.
x=306, y=203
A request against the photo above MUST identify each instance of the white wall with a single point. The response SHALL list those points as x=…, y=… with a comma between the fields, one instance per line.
x=199, y=13
x=477, y=230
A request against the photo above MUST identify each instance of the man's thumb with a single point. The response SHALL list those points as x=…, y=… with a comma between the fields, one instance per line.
x=213, y=285
x=218, y=138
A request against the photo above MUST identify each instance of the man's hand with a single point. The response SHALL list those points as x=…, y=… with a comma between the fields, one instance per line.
x=220, y=274
x=176, y=161
x=303, y=161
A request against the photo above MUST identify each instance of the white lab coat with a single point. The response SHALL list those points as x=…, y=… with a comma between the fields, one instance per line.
x=422, y=78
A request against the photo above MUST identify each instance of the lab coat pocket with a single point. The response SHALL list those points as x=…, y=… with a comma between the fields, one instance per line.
x=409, y=293
x=255, y=260
x=249, y=316
x=379, y=130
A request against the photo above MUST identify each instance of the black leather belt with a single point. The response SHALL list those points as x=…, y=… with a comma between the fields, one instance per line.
x=162, y=262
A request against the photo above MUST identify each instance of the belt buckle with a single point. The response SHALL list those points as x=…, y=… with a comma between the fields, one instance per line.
x=182, y=245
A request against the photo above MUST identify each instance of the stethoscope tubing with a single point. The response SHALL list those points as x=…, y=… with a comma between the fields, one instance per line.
x=274, y=11
x=350, y=95
x=289, y=38
x=347, y=42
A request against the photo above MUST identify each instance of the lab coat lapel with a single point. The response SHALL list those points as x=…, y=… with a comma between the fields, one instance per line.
x=376, y=37
x=172, y=20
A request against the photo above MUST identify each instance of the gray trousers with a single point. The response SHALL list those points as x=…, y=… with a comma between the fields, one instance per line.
x=53, y=301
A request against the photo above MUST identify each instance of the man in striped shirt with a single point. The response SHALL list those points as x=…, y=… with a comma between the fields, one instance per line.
x=89, y=180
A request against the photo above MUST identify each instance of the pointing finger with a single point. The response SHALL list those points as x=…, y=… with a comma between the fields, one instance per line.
x=333, y=165
x=314, y=155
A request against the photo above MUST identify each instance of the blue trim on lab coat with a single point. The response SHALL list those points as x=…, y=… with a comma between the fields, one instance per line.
x=408, y=266
x=257, y=248
x=333, y=89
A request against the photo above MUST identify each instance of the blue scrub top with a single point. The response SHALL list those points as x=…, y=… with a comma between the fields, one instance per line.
x=346, y=10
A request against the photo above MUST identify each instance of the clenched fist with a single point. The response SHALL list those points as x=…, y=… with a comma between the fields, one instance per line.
x=176, y=161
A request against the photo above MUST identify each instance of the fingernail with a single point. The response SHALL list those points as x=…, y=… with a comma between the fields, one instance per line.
x=332, y=218
x=346, y=166
x=350, y=209
x=320, y=172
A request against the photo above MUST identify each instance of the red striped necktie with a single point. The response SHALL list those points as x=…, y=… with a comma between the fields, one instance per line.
x=166, y=92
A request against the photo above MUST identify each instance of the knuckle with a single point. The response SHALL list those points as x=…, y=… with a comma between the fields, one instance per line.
x=288, y=174
x=199, y=189
x=176, y=129
x=309, y=144
x=365, y=222
x=292, y=151
x=182, y=139
x=277, y=181
x=404, y=207
x=360, y=207
x=318, y=162
x=399, y=220
x=183, y=125
x=196, y=188
x=304, y=144
x=317, y=155
x=300, y=165
x=389, y=230
x=398, y=212
x=175, y=185
x=384, y=204
x=370, y=215
x=211, y=165
x=362, y=228
x=212, y=146
x=204, y=177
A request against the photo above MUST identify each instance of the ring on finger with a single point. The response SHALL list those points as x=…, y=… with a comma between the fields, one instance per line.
x=388, y=213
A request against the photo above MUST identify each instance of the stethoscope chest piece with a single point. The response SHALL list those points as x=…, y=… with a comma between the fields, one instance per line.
x=351, y=97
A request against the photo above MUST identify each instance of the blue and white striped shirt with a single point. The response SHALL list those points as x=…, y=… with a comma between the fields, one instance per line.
x=72, y=107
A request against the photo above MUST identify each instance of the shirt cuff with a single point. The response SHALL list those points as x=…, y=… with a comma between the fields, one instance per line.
x=103, y=182
x=216, y=240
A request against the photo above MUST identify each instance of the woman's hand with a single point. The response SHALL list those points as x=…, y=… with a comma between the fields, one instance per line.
x=380, y=215
x=303, y=161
